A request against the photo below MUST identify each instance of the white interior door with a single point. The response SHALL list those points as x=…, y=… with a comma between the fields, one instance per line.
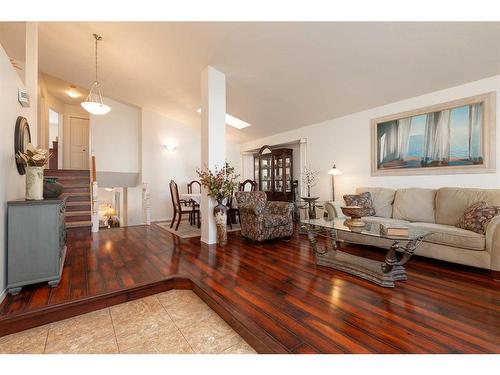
x=79, y=143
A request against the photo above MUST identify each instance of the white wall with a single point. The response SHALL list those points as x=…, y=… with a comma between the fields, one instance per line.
x=345, y=141
x=115, y=138
x=11, y=183
x=159, y=166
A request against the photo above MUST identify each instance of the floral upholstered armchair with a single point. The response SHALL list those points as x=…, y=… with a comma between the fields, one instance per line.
x=262, y=220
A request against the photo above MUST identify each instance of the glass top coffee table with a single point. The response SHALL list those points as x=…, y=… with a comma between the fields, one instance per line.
x=382, y=273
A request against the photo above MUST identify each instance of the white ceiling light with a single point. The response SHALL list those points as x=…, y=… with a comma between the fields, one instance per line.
x=72, y=93
x=93, y=103
x=232, y=121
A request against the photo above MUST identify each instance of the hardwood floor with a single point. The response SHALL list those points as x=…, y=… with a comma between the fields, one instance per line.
x=273, y=296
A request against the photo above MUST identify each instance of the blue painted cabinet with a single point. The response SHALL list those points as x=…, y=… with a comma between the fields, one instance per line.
x=36, y=242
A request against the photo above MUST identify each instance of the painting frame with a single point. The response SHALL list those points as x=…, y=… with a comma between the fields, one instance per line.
x=488, y=140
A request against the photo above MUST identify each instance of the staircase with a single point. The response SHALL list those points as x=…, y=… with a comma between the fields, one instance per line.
x=77, y=188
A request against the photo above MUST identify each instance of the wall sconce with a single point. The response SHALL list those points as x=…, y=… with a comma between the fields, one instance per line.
x=170, y=147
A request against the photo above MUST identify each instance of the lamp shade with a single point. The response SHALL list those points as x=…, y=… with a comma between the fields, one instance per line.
x=96, y=108
x=334, y=171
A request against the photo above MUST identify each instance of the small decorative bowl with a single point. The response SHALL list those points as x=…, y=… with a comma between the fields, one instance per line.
x=355, y=213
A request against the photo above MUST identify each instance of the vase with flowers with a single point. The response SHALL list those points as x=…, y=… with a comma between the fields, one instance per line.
x=34, y=159
x=220, y=185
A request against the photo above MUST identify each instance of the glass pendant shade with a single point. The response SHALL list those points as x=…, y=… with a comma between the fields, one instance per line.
x=93, y=104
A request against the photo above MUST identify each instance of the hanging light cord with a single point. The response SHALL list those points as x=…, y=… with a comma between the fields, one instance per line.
x=97, y=37
x=96, y=82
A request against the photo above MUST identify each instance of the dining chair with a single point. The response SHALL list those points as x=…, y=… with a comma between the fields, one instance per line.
x=232, y=212
x=193, y=212
x=193, y=183
x=190, y=186
x=252, y=183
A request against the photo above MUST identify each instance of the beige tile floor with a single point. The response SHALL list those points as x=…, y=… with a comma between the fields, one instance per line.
x=177, y=321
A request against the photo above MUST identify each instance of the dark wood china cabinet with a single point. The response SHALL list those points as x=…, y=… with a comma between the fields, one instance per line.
x=273, y=170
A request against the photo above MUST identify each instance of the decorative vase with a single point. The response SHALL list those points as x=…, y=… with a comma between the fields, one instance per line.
x=355, y=213
x=220, y=213
x=52, y=188
x=34, y=183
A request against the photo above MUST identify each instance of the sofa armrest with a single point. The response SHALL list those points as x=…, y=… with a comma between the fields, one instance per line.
x=279, y=208
x=493, y=242
x=333, y=210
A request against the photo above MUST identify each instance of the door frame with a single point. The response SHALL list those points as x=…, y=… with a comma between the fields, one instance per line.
x=67, y=133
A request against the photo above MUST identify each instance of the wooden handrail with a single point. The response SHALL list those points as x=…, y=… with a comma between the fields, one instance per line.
x=94, y=173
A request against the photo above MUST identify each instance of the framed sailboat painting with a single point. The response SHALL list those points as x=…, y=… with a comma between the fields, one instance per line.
x=448, y=138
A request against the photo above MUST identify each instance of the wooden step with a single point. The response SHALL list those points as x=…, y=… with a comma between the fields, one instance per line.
x=79, y=224
x=77, y=203
x=76, y=185
x=79, y=218
x=77, y=189
x=79, y=208
x=76, y=197
x=67, y=172
x=77, y=213
x=71, y=180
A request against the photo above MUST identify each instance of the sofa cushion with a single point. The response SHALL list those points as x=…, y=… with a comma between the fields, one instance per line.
x=452, y=236
x=361, y=200
x=477, y=217
x=414, y=204
x=451, y=203
x=382, y=199
x=275, y=220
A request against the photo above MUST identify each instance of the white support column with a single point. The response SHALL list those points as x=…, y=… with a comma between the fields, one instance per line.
x=213, y=140
x=31, y=78
x=303, y=164
x=146, y=204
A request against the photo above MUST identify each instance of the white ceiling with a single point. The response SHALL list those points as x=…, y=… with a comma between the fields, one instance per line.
x=280, y=76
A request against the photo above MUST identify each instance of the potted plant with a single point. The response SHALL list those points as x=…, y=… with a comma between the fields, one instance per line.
x=34, y=160
x=220, y=185
x=309, y=179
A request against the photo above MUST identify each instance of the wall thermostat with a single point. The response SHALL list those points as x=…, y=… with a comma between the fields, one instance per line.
x=23, y=97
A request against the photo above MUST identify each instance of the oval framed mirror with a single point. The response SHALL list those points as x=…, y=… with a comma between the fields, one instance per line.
x=22, y=137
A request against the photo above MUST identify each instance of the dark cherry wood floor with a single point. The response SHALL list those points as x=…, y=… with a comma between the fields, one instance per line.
x=273, y=295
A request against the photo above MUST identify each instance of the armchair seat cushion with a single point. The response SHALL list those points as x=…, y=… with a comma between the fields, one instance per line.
x=453, y=236
x=275, y=220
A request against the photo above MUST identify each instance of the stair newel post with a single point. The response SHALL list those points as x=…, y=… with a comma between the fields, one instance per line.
x=146, y=203
x=95, y=204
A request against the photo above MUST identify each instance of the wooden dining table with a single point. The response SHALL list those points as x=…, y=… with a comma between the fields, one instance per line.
x=195, y=197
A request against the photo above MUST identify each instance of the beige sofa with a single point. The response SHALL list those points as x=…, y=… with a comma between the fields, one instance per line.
x=437, y=211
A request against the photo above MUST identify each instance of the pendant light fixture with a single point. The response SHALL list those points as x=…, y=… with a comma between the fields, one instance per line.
x=93, y=104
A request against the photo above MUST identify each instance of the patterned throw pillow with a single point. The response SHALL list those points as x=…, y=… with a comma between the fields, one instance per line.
x=477, y=217
x=363, y=200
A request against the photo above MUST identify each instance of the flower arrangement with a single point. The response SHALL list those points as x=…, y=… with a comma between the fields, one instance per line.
x=309, y=178
x=220, y=183
x=34, y=157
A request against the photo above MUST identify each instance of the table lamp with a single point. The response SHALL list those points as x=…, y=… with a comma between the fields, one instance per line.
x=110, y=212
x=334, y=172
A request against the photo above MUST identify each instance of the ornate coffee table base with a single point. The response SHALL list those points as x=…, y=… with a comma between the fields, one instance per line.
x=382, y=273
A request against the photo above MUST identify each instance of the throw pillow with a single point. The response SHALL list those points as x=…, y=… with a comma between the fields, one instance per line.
x=477, y=217
x=363, y=200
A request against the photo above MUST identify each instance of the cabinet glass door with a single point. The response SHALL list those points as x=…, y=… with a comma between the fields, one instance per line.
x=278, y=174
x=256, y=169
x=288, y=174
